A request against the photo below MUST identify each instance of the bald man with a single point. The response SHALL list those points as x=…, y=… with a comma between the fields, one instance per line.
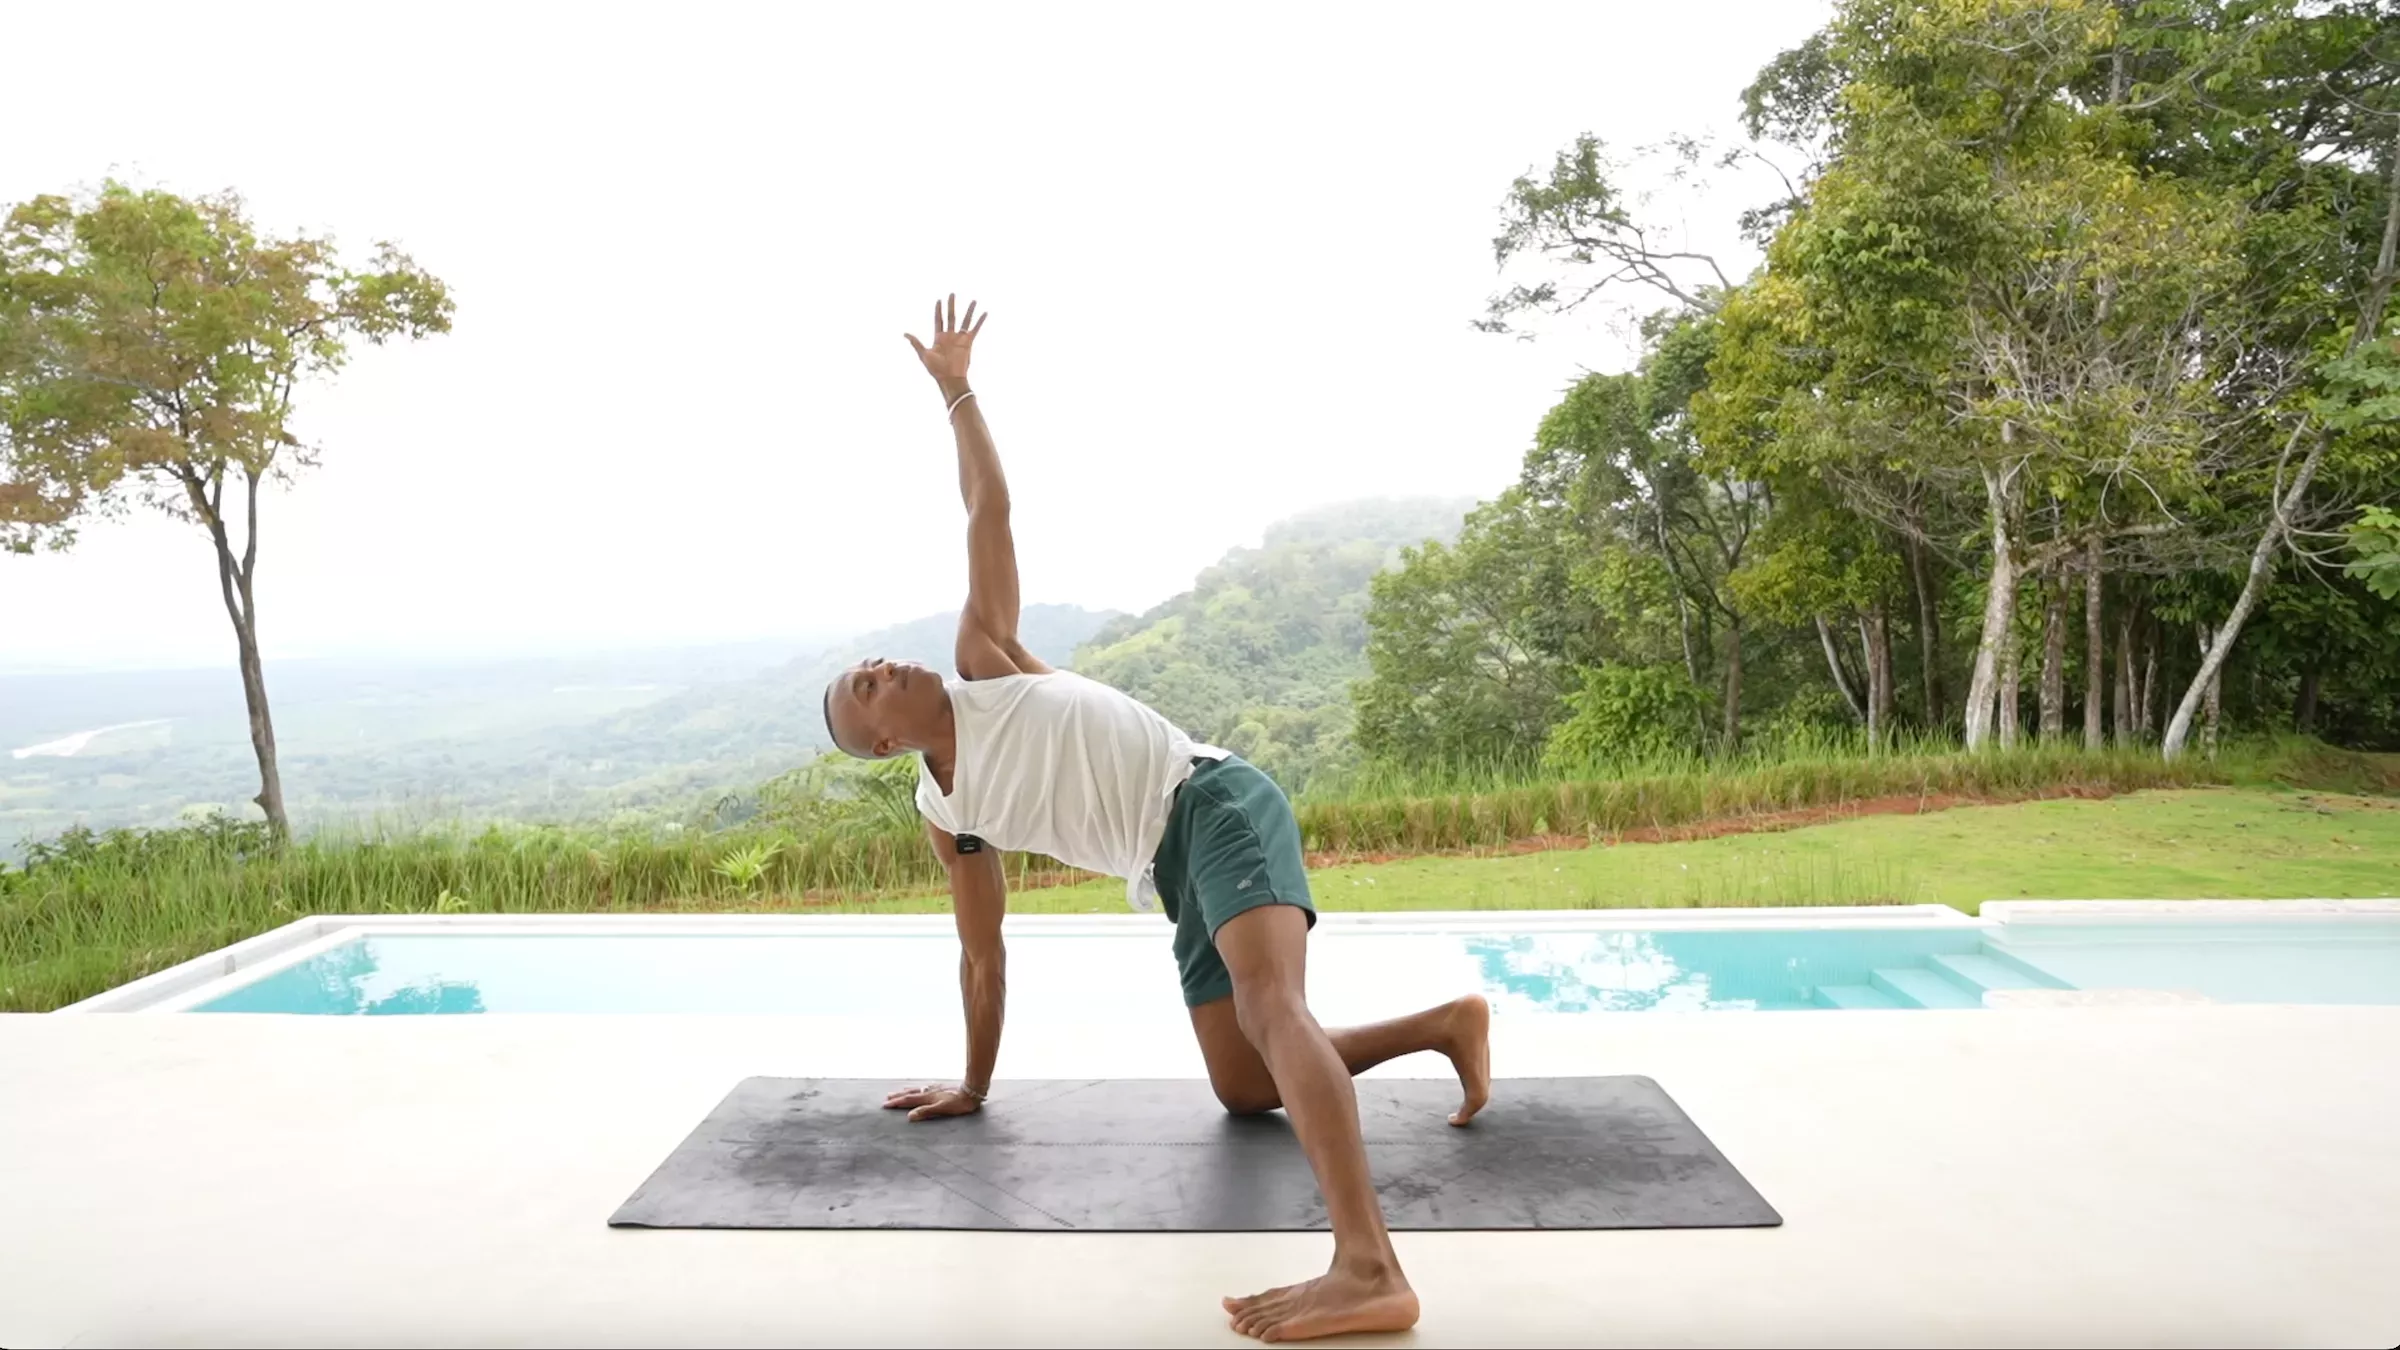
x=1016, y=756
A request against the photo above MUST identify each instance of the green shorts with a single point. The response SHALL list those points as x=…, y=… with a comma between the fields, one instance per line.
x=1231, y=845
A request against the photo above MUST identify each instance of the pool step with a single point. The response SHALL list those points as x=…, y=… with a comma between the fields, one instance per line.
x=2042, y=979
x=1852, y=997
x=1917, y=987
x=1978, y=973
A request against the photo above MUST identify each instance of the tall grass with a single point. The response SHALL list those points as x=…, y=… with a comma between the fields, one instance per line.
x=1487, y=806
x=90, y=911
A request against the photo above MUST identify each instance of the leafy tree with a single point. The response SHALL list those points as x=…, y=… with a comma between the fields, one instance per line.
x=1626, y=714
x=2375, y=549
x=1468, y=647
x=168, y=342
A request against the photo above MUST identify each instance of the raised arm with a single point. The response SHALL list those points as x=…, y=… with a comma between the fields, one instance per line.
x=979, y=898
x=987, y=627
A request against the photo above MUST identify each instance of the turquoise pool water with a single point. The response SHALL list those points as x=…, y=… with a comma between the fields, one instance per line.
x=1353, y=975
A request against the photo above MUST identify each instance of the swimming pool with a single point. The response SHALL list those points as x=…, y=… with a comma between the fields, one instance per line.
x=1361, y=966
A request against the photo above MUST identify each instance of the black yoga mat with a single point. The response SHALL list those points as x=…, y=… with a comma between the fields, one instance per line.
x=1161, y=1156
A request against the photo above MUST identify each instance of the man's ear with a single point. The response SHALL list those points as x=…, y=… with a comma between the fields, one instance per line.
x=886, y=747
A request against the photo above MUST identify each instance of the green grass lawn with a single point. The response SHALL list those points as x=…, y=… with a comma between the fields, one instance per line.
x=70, y=929
x=2202, y=843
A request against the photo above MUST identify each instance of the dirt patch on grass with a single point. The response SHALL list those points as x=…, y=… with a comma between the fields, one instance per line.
x=1909, y=804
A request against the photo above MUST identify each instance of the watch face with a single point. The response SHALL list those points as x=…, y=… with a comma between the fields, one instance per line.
x=968, y=843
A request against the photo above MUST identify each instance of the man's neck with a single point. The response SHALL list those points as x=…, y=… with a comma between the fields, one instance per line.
x=941, y=748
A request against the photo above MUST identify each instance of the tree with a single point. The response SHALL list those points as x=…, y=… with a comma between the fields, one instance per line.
x=2375, y=551
x=1468, y=646
x=2362, y=396
x=1634, y=478
x=179, y=338
x=47, y=477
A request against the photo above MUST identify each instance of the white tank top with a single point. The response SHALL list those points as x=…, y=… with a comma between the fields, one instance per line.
x=1063, y=766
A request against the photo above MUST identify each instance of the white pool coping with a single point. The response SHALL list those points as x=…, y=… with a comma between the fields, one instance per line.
x=2160, y=1176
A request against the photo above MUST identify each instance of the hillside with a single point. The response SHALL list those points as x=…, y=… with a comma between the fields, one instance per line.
x=1258, y=656
x=551, y=739
x=778, y=714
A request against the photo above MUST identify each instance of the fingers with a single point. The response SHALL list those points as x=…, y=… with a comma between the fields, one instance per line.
x=947, y=323
x=945, y=1102
x=912, y=341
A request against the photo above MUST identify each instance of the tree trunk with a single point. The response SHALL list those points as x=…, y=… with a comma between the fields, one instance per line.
x=234, y=577
x=2148, y=712
x=2210, y=703
x=262, y=724
x=2126, y=702
x=1875, y=629
x=1683, y=608
x=2054, y=661
x=1999, y=612
x=2286, y=503
x=2304, y=716
x=1929, y=633
x=1833, y=662
x=2095, y=654
x=2262, y=563
x=1733, y=686
x=2010, y=689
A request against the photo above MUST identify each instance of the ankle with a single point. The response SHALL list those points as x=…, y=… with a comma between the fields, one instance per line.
x=1369, y=1266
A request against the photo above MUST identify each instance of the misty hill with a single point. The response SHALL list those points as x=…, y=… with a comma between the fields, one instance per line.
x=568, y=738
x=779, y=713
x=1259, y=655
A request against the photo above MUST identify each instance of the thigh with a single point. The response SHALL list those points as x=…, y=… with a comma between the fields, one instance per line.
x=1244, y=852
x=1264, y=950
x=1233, y=848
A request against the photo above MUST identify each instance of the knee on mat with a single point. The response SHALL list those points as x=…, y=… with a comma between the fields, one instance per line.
x=1250, y=1103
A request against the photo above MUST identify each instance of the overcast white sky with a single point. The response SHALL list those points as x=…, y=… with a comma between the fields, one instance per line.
x=1230, y=252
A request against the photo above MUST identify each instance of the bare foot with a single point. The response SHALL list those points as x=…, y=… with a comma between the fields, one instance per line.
x=1330, y=1305
x=1469, y=1046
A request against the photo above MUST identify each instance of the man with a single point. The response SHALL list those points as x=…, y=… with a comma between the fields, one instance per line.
x=1016, y=756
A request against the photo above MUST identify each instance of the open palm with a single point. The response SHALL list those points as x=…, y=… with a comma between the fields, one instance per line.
x=953, y=341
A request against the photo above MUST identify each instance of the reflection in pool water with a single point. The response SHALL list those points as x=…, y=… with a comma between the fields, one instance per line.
x=1355, y=975
x=1586, y=972
x=349, y=980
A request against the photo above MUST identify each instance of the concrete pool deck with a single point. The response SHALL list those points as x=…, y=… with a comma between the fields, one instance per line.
x=2199, y=1175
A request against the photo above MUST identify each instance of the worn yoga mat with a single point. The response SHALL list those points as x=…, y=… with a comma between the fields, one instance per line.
x=1161, y=1156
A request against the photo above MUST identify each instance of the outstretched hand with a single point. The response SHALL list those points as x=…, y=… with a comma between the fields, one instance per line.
x=953, y=342
x=927, y=1102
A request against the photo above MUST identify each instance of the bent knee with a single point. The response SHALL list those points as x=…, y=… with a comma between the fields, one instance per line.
x=1260, y=1013
x=1246, y=1102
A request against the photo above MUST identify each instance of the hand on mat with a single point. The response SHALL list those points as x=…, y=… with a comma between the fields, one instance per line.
x=927, y=1102
x=953, y=342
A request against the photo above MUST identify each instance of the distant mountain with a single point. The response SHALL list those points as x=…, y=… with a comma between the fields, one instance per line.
x=1259, y=655
x=587, y=738
x=781, y=711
